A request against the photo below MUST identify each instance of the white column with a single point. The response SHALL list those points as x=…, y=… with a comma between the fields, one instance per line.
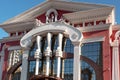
x=94, y=22
x=24, y=65
x=48, y=53
x=59, y=54
x=83, y=24
x=10, y=60
x=115, y=61
x=63, y=62
x=47, y=19
x=1, y=63
x=77, y=64
x=38, y=54
x=56, y=17
x=13, y=58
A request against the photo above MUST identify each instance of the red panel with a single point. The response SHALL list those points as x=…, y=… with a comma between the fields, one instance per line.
x=5, y=66
x=13, y=43
x=12, y=34
x=98, y=22
x=60, y=13
x=113, y=35
x=79, y=25
x=42, y=18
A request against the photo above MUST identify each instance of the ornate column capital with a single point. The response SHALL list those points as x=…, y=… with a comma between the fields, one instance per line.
x=115, y=43
x=48, y=52
x=59, y=53
x=38, y=54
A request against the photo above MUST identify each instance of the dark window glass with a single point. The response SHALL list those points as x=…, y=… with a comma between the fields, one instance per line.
x=93, y=51
x=90, y=50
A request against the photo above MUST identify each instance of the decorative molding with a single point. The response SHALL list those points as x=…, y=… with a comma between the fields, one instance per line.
x=88, y=15
x=95, y=28
x=19, y=26
x=54, y=28
x=14, y=48
x=94, y=39
x=8, y=39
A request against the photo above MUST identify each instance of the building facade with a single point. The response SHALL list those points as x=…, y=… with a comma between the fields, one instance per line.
x=60, y=40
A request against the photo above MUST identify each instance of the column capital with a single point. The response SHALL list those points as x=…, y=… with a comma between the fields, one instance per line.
x=38, y=54
x=59, y=53
x=48, y=52
x=77, y=43
x=115, y=43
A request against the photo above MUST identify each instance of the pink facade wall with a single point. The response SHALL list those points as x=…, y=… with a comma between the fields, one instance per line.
x=107, y=52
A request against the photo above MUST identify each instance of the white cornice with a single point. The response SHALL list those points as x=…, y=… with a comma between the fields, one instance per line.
x=14, y=48
x=8, y=39
x=95, y=28
x=18, y=26
x=62, y=5
x=93, y=39
x=94, y=14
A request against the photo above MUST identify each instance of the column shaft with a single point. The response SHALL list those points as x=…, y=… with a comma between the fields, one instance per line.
x=48, y=53
x=58, y=66
x=38, y=54
x=77, y=64
x=115, y=61
x=37, y=67
x=1, y=64
x=59, y=54
x=24, y=65
x=47, y=65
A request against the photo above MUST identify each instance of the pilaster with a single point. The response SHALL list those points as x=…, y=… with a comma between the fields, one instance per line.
x=115, y=60
x=1, y=63
x=77, y=63
x=24, y=64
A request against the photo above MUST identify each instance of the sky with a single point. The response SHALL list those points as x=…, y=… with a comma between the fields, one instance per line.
x=11, y=8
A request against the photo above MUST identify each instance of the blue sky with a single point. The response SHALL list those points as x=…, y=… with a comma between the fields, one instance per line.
x=11, y=8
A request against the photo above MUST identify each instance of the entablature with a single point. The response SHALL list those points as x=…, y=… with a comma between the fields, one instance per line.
x=89, y=15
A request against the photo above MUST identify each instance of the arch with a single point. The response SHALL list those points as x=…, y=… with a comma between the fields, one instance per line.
x=94, y=65
x=66, y=55
x=56, y=27
x=11, y=71
x=50, y=11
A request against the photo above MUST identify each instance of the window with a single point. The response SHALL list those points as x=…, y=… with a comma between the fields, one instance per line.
x=93, y=51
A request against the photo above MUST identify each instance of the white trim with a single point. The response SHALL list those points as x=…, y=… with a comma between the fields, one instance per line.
x=55, y=27
x=14, y=48
x=95, y=28
x=6, y=39
x=19, y=26
x=115, y=60
x=24, y=65
x=88, y=15
x=95, y=39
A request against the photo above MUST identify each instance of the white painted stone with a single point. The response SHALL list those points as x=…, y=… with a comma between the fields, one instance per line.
x=24, y=65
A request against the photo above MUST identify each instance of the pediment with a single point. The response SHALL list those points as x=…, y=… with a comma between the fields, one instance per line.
x=56, y=4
